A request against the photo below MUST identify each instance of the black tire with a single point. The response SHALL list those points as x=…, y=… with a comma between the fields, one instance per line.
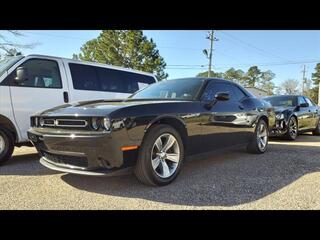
x=7, y=145
x=291, y=135
x=143, y=169
x=254, y=146
x=316, y=132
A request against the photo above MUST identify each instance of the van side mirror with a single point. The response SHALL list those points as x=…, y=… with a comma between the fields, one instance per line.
x=21, y=75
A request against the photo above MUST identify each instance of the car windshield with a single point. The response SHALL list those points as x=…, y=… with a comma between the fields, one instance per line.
x=186, y=89
x=6, y=63
x=282, y=101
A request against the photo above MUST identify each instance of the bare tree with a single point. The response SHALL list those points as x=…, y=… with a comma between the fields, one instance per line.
x=11, y=48
x=290, y=86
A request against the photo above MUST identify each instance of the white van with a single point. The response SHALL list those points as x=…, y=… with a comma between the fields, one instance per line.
x=34, y=83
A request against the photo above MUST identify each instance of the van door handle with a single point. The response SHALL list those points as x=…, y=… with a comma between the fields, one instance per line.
x=66, y=97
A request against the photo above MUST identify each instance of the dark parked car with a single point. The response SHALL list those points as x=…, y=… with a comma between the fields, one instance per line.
x=153, y=130
x=294, y=115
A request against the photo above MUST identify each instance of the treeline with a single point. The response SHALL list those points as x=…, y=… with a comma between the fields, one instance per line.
x=254, y=77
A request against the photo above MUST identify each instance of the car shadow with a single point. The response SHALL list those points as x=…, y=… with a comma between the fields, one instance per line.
x=223, y=179
x=25, y=165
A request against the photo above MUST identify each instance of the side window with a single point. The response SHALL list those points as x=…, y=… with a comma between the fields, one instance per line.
x=309, y=101
x=301, y=100
x=213, y=88
x=41, y=73
x=84, y=77
x=237, y=93
x=113, y=80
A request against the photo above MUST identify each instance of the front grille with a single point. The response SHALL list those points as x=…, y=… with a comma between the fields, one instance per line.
x=68, y=160
x=72, y=123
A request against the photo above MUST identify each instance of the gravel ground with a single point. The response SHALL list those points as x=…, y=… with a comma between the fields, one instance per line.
x=287, y=176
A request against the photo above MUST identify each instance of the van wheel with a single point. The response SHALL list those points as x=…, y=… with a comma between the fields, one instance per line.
x=259, y=142
x=6, y=145
x=160, y=157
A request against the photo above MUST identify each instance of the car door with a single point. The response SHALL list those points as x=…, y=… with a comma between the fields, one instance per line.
x=313, y=118
x=43, y=89
x=225, y=124
x=304, y=114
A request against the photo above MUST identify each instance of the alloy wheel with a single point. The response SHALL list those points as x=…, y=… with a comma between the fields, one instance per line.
x=262, y=137
x=165, y=155
x=2, y=144
x=293, y=128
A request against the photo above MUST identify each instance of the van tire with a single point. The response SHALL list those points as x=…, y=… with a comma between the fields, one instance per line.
x=7, y=145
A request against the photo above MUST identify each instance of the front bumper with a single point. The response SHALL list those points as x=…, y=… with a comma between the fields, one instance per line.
x=279, y=129
x=96, y=154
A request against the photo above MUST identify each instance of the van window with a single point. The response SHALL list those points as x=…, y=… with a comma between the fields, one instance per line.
x=41, y=73
x=86, y=77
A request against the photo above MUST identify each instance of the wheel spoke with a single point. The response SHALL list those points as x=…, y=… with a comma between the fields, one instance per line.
x=174, y=157
x=171, y=140
x=158, y=144
x=165, y=169
x=2, y=144
x=155, y=162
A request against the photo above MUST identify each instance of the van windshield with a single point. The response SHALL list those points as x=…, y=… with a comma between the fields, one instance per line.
x=6, y=63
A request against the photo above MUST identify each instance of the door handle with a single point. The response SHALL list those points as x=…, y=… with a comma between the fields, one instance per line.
x=241, y=107
x=66, y=97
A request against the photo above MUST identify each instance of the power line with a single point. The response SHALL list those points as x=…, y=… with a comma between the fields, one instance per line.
x=250, y=45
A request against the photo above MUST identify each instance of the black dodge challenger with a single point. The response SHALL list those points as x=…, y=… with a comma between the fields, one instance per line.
x=294, y=114
x=153, y=130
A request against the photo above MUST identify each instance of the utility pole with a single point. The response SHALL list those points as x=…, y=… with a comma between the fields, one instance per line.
x=303, y=78
x=209, y=55
x=211, y=37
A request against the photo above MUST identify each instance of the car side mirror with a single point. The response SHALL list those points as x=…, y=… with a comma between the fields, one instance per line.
x=21, y=75
x=219, y=96
x=304, y=105
x=222, y=96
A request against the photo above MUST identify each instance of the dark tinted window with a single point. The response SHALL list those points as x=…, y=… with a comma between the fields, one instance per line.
x=238, y=94
x=283, y=101
x=41, y=73
x=186, y=88
x=309, y=102
x=84, y=77
x=213, y=87
x=103, y=79
x=301, y=100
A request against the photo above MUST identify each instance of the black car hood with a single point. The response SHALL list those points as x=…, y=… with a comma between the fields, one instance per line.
x=280, y=109
x=99, y=107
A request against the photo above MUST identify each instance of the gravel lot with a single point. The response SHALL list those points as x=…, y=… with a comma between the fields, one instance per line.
x=286, y=177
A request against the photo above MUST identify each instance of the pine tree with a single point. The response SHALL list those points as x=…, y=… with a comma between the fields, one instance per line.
x=125, y=48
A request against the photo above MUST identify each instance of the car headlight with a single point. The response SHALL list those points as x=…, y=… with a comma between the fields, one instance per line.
x=95, y=123
x=41, y=122
x=36, y=122
x=106, y=123
x=280, y=116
